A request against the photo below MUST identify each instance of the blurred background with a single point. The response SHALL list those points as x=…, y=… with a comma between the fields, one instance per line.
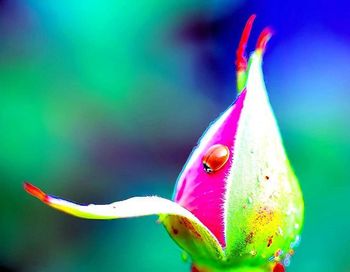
x=104, y=100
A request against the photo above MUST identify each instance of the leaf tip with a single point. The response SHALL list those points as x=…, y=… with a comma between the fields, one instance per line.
x=36, y=192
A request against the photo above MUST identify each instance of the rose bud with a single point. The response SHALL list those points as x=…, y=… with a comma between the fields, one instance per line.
x=237, y=204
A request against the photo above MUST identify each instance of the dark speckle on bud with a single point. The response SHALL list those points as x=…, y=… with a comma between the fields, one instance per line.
x=269, y=241
x=175, y=231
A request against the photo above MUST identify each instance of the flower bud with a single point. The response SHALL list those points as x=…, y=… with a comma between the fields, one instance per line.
x=237, y=205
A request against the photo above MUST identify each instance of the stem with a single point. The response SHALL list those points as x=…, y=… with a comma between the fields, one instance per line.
x=200, y=268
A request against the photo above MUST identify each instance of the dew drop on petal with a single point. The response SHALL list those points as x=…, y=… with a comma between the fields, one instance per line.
x=272, y=258
x=286, y=261
x=296, y=242
x=249, y=200
x=184, y=256
x=280, y=231
x=278, y=252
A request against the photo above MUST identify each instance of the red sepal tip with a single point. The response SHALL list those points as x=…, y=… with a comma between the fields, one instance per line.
x=36, y=192
x=264, y=37
x=278, y=268
x=241, y=62
x=195, y=269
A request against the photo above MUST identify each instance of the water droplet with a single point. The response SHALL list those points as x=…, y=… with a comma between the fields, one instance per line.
x=249, y=200
x=271, y=259
x=253, y=252
x=296, y=226
x=280, y=231
x=278, y=252
x=286, y=261
x=296, y=242
x=184, y=256
x=291, y=210
x=215, y=158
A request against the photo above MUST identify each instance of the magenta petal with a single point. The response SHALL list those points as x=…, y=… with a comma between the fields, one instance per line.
x=202, y=193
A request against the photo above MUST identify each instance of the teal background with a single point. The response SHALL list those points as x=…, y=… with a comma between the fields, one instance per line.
x=104, y=100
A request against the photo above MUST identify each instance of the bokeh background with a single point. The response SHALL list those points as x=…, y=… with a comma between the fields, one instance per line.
x=104, y=100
